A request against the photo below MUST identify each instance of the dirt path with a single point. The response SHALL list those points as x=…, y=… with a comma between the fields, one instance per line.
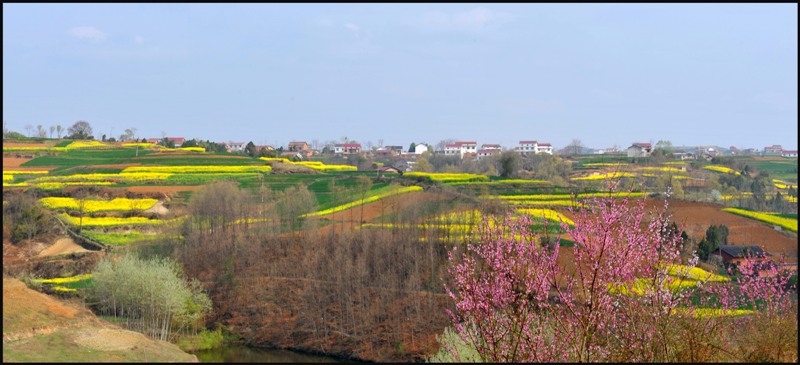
x=62, y=246
x=159, y=209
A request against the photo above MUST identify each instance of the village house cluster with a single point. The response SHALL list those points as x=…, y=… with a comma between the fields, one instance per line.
x=470, y=150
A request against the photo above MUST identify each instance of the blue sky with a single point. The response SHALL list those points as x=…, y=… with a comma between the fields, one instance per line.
x=606, y=74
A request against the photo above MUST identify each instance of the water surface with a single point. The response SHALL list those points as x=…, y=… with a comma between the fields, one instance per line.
x=240, y=353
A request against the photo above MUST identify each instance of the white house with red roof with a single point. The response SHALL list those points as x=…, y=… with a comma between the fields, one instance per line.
x=533, y=147
x=460, y=148
x=789, y=153
x=545, y=148
x=347, y=148
x=178, y=141
x=235, y=146
x=774, y=150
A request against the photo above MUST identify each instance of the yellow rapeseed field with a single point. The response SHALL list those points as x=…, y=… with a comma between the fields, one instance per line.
x=281, y=159
x=722, y=169
x=547, y=214
x=91, y=206
x=25, y=172
x=446, y=177
x=615, y=175
x=61, y=185
x=363, y=201
x=109, y=221
x=197, y=169
x=788, y=223
x=662, y=169
x=71, y=279
x=713, y=312
x=694, y=273
x=604, y=164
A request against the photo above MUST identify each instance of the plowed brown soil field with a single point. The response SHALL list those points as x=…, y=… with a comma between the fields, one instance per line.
x=697, y=217
x=15, y=162
x=694, y=217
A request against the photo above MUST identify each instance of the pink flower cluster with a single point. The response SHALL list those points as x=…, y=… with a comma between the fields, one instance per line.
x=514, y=302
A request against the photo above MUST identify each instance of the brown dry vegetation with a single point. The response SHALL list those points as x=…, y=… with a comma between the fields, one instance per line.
x=371, y=294
x=368, y=294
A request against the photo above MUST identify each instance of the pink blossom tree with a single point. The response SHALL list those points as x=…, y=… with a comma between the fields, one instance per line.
x=623, y=301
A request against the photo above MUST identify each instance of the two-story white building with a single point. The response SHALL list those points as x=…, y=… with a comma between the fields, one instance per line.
x=235, y=146
x=460, y=148
x=544, y=148
x=533, y=147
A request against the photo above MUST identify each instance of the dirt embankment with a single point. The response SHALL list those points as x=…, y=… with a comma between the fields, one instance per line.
x=61, y=247
x=40, y=328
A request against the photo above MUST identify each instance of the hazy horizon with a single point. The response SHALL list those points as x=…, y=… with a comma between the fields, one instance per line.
x=606, y=74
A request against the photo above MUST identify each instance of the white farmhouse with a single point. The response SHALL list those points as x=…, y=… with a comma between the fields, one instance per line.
x=460, y=148
x=420, y=149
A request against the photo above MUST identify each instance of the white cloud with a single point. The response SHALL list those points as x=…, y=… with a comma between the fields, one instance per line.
x=352, y=27
x=474, y=19
x=90, y=33
x=138, y=39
